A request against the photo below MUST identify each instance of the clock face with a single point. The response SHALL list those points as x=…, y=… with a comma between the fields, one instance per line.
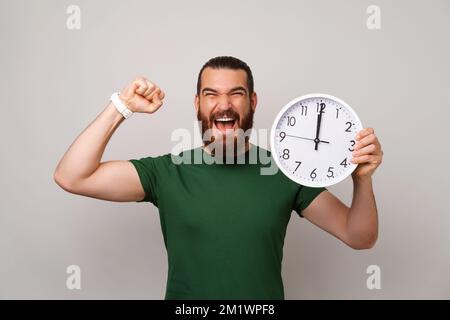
x=312, y=140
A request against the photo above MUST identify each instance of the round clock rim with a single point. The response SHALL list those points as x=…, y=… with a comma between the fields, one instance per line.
x=276, y=121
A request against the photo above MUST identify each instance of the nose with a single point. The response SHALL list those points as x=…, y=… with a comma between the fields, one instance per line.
x=224, y=102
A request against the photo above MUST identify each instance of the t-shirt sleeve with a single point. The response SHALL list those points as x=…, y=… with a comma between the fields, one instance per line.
x=305, y=196
x=147, y=169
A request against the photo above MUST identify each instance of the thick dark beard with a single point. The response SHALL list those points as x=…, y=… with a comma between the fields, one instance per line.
x=245, y=124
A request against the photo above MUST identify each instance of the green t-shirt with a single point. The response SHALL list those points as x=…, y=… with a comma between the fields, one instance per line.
x=223, y=224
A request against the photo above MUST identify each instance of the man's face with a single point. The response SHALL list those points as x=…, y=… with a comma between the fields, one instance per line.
x=224, y=104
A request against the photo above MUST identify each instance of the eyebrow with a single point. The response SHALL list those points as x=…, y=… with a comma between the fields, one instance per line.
x=233, y=89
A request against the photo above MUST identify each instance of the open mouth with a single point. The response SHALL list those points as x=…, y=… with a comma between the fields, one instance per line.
x=224, y=124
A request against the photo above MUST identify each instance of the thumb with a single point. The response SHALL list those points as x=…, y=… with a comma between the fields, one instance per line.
x=131, y=89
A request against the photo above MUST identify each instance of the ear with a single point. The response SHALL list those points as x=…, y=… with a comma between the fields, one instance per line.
x=196, y=103
x=253, y=101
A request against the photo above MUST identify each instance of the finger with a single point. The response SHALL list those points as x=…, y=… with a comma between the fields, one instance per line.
x=370, y=139
x=367, y=159
x=158, y=92
x=156, y=102
x=150, y=88
x=151, y=97
x=364, y=132
x=156, y=96
x=370, y=149
x=142, y=86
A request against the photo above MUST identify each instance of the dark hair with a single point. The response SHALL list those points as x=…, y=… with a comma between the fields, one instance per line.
x=227, y=62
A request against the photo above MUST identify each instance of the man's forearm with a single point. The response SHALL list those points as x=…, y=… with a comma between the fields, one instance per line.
x=362, y=223
x=84, y=155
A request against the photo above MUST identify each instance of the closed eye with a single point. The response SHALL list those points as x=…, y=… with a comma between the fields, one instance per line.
x=214, y=94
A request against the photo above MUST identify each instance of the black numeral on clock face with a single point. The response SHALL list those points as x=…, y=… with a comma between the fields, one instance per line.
x=282, y=135
x=321, y=107
x=349, y=124
x=352, y=142
x=337, y=113
x=344, y=163
x=313, y=174
x=304, y=110
x=291, y=121
x=298, y=165
x=285, y=155
x=330, y=173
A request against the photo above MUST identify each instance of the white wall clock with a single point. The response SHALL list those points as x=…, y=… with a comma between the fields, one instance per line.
x=312, y=139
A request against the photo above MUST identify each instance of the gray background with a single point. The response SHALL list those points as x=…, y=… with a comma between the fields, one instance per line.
x=56, y=81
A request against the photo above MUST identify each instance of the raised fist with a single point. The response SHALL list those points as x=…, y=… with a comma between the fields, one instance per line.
x=143, y=96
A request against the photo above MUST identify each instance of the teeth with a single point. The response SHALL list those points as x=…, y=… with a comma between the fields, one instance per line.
x=225, y=119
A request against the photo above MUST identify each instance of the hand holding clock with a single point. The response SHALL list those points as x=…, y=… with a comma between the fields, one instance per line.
x=367, y=153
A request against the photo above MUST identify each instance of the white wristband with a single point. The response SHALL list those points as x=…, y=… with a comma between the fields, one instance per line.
x=120, y=106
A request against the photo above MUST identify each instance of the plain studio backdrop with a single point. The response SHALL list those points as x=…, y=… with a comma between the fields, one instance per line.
x=56, y=80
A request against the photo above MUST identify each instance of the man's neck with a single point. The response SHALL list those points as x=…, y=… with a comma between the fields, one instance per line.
x=238, y=152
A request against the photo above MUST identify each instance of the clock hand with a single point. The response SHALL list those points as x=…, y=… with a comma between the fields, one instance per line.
x=319, y=120
x=290, y=135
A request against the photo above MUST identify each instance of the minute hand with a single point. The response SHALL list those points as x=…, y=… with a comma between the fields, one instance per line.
x=319, y=120
x=290, y=135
